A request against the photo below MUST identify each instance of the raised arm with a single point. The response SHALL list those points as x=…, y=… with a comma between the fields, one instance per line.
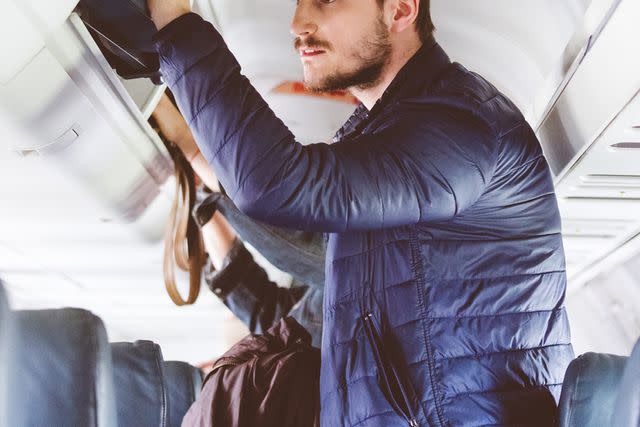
x=420, y=167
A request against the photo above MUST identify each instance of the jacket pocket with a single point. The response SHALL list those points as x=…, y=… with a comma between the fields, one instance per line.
x=398, y=394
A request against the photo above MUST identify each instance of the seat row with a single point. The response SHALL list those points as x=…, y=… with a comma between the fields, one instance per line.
x=57, y=368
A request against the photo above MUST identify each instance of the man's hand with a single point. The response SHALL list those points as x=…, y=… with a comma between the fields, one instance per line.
x=164, y=11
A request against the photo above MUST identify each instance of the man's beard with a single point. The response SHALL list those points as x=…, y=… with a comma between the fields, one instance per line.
x=372, y=54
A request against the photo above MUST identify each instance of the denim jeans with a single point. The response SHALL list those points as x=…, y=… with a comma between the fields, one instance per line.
x=244, y=286
x=299, y=253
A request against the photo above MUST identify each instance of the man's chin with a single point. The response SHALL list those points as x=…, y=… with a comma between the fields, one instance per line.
x=316, y=86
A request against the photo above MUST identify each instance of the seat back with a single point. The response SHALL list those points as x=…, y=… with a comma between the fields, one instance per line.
x=141, y=393
x=6, y=346
x=627, y=409
x=183, y=383
x=590, y=389
x=62, y=375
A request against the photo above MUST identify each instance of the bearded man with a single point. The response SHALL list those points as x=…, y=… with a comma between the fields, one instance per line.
x=445, y=272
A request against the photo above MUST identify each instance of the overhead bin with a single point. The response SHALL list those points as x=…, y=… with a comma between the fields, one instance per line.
x=591, y=140
x=81, y=117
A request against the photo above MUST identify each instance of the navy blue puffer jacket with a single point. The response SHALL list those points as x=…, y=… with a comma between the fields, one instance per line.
x=445, y=273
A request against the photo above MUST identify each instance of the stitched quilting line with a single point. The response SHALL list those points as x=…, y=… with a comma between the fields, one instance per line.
x=502, y=352
x=520, y=389
x=430, y=241
x=513, y=129
x=371, y=249
x=235, y=132
x=507, y=276
x=500, y=239
x=360, y=334
x=483, y=316
x=187, y=70
x=349, y=298
x=264, y=156
x=522, y=166
x=471, y=317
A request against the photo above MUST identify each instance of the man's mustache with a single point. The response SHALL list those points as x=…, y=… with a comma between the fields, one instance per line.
x=310, y=43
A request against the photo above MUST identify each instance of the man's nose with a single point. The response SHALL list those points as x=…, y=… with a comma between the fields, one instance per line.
x=303, y=24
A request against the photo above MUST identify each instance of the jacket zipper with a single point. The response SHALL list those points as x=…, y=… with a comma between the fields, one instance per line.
x=394, y=388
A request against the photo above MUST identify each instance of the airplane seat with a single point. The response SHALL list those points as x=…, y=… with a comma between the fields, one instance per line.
x=627, y=410
x=6, y=346
x=141, y=391
x=62, y=373
x=184, y=383
x=595, y=387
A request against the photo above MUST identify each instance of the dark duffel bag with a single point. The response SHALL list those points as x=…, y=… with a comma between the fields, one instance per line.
x=263, y=380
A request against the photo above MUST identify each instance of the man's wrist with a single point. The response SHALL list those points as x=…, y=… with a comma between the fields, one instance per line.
x=163, y=20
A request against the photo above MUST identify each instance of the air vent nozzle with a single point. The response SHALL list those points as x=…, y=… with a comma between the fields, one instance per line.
x=625, y=146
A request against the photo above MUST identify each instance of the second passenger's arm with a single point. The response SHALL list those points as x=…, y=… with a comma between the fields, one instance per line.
x=243, y=285
x=422, y=165
x=175, y=129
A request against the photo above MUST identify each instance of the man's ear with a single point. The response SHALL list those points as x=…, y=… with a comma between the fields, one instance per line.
x=405, y=13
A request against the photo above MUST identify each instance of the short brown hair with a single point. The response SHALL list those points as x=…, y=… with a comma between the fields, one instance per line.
x=424, y=23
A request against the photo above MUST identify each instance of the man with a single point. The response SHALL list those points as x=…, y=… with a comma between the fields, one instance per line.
x=445, y=273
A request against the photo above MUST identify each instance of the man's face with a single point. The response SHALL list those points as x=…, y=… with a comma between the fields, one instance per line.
x=342, y=43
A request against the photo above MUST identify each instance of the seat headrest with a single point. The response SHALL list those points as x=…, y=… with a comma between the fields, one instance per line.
x=63, y=372
x=589, y=390
x=183, y=384
x=627, y=411
x=141, y=394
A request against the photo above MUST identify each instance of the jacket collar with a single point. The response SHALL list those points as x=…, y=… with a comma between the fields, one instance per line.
x=416, y=76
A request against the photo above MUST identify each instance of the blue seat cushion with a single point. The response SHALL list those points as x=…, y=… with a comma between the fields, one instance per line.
x=141, y=394
x=6, y=345
x=183, y=384
x=627, y=411
x=63, y=373
x=590, y=389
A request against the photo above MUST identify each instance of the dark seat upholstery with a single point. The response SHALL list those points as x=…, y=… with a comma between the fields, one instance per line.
x=141, y=393
x=62, y=375
x=6, y=338
x=601, y=390
x=183, y=383
x=627, y=410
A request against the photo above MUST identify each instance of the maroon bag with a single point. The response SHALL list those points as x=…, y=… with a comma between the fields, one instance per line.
x=263, y=380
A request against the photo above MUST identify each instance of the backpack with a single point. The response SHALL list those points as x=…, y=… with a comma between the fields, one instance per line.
x=263, y=380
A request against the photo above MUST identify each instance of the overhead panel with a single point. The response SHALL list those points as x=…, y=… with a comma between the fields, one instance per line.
x=79, y=114
x=591, y=139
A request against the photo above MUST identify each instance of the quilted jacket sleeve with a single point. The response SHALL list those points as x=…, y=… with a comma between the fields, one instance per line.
x=424, y=164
